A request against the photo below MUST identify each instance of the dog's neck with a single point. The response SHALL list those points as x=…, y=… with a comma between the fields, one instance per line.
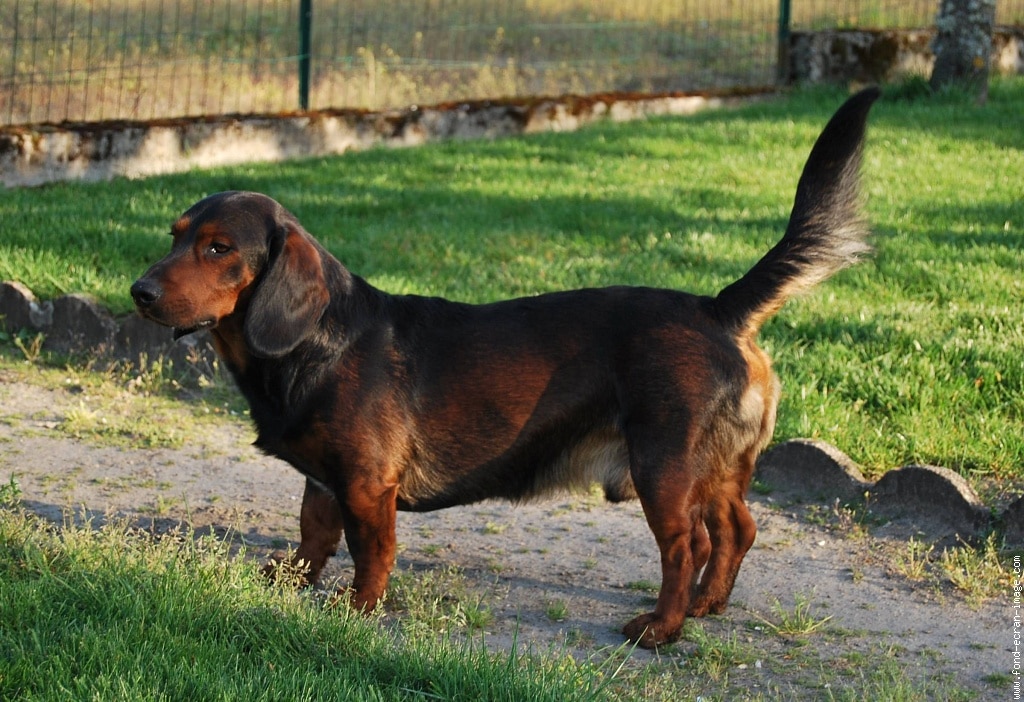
x=229, y=342
x=279, y=389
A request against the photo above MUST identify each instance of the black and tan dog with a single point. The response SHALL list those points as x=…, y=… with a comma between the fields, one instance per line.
x=389, y=402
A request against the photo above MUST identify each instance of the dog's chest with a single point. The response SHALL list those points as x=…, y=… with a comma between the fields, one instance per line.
x=307, y=453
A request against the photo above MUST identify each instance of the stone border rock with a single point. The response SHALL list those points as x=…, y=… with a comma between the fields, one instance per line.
x=78, y=325
x=928, y=499
x=933, y=500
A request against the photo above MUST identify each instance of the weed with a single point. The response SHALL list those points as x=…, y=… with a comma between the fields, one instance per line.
x=30, y=345
x=714, y=657
x=163, y=505
x=477, y=615
x=999, y=679
x=881, y=675
x=287, y=572
x=796, y=622
x=643, y=586
x=438, y=599
x=494, y=528
x=977, y=572
x=121, y=427
x=577, y=638
x=10, y=494
x=912, y=563
x=853, y=520
x=557, y=610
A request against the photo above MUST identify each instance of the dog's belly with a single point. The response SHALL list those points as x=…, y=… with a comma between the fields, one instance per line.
x=601, y=457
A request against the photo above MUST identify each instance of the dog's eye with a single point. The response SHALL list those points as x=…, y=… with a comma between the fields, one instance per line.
x=218, y=249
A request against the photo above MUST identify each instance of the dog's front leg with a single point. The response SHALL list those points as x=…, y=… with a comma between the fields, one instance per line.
x=369, y=511
x=320, y=526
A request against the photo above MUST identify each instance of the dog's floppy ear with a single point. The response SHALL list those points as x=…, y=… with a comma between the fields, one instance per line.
x=290, y=297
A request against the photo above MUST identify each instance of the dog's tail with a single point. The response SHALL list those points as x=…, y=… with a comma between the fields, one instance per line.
x=825, y=232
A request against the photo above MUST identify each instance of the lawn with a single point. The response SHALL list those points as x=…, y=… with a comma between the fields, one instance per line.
x=114, y=612
x=913, y=356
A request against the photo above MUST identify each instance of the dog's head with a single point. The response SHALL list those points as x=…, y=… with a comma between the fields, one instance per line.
x=238, y=255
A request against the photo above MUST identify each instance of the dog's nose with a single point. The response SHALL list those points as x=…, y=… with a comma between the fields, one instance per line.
x=145, y=293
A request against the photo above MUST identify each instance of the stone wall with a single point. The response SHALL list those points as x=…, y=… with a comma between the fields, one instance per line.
x=879, y=56
x=79, y=326
x=38, y=154
x=46, y=153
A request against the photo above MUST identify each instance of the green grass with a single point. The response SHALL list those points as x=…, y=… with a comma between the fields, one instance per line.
x=117, y=614
x=124, y=406
x=114, y=613
x=914, y=356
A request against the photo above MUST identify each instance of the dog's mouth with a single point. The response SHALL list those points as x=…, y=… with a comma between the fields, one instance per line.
x=179, y=331
x=200, y=326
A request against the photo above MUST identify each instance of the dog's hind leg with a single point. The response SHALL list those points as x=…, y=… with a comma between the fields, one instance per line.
x=700, y=546
x=673, y=514
x=732, y=531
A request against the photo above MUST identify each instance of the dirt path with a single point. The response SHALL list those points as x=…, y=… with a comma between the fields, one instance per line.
x=564, y=570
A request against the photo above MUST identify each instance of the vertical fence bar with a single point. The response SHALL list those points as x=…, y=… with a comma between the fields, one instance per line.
x=305, y=32
x=785, y=19
x=13, y=77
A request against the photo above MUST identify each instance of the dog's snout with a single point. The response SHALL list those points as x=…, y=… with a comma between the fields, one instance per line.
x=145, y=293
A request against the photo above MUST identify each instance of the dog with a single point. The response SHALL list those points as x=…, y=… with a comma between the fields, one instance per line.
x=386, y=402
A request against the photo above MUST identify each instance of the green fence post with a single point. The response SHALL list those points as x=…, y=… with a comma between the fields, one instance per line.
x=305, y=30
x=785, y=17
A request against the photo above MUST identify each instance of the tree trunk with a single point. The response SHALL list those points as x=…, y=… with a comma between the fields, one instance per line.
x=963, y=45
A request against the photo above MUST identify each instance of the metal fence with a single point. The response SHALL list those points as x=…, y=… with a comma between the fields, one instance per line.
x=68, y=60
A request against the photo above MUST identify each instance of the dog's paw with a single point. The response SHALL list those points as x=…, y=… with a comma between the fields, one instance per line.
x=283, y=569
x=697, y=610
x=351, y=598
x=649, y=631
x=703, y=604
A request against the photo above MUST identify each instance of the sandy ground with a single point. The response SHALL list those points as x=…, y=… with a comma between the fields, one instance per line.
x=562, y=572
